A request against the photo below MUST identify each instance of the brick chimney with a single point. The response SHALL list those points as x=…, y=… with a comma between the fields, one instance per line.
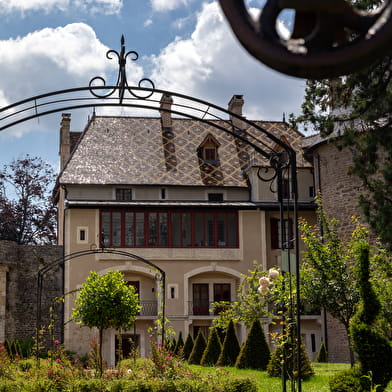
x=235, y=106
x=65, y=140
x=166, y=103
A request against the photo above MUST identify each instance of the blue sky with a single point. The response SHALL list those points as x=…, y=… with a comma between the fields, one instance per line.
x=184, y=46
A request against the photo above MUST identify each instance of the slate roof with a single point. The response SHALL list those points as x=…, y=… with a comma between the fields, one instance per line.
x=138, y=151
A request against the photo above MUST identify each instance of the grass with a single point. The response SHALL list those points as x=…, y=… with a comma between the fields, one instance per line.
x=317, y=383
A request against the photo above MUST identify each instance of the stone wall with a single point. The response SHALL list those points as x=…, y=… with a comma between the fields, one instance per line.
x=19, y=266
x=340, y=193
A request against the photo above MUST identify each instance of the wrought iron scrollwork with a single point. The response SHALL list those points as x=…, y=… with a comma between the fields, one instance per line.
x=122, y=83
x=279, y=161
x=330, y=38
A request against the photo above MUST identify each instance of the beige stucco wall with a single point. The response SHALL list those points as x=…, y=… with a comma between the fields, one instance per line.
x=183, y=267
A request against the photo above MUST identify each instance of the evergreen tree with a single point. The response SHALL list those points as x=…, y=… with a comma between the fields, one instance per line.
x=198, y=349
x=173, y=345
x=230, y=349
x=278, y=359
x=255, y=353
x=322, y=355
x=213, y=349
x=179, y=345
x=373, y=349
x=188, y=347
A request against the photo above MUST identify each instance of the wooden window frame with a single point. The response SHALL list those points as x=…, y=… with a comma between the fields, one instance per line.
x=231, y=239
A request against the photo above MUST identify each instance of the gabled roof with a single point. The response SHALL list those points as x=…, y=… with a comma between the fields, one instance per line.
x=138, y=151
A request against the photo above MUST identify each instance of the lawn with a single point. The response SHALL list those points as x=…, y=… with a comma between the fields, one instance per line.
x=317, y=383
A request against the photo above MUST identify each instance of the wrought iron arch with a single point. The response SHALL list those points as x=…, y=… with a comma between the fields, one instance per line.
x=280, y=155
x=62, y=260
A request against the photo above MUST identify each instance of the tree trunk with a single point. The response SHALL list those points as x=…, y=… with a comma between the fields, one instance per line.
x=100, y=352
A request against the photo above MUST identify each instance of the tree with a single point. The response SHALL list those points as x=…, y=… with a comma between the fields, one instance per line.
x=179, y=344
x=230, y=349
x=274, y=368
x=106, y=301
x=255, y=353
x=213, y=349
x=327, y=272
x=188, y=347
x=29, y=215
x=373, y=349
x=198, y=349
x=251, y=303
x=356, y=108
x=322, y=355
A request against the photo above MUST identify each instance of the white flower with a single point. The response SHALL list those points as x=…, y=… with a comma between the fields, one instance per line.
x=263, y=289
x=273, y=274
x=264, y=281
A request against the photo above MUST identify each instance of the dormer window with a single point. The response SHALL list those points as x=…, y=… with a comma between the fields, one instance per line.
x=209, y=148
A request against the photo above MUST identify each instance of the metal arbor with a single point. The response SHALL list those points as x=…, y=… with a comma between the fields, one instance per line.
x=329, y=39
x=281, y=156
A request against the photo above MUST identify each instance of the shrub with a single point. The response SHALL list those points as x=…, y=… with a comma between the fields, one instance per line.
x=274, y=368
x=230, y=349
x=179, y=345
x=188, y=347
x=373, y=349
x=255, y=353
x=213, y=349
x=322, y=355
x=92, y=385
x=198, y=349
x=346, y=381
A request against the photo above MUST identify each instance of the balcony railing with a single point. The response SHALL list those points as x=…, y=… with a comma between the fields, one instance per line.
x=149, y=308
x=202, y=308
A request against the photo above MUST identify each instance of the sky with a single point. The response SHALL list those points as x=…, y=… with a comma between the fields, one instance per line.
x=184, y=46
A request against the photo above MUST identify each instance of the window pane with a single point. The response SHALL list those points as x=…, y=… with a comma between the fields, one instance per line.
x=186, y=229
x=199, y=237
x=232, y=229
x=106, y=228
x=221, y=229
x=129, y=229
x=163, y=229
x=176, y=228
x=139, y=229
x=152, y=229
x=209, y=231
x=116, y=228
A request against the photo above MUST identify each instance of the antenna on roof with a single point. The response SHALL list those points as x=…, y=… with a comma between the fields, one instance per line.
x=284, y=117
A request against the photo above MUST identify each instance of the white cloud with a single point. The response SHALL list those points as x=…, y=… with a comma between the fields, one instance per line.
x=167, y=5
x=54, y=59
x=213, y=66
x=148, y=22
x=93, y=6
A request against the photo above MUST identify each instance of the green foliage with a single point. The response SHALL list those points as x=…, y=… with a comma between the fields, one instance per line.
x=255, y=353
x=373, y=349
x=346, y=381
x=188, y=347
x=327, y=279
x=22, y=348
x=179, y=345
x=198, y=349
x=358, y=105
x=213, y=349
x=322, y=355
x=251, y=304
x=106, y=301
x=285, y=355
x=230, y=349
